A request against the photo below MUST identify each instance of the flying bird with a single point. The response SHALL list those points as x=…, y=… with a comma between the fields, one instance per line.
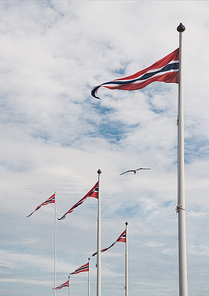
x=134, y=171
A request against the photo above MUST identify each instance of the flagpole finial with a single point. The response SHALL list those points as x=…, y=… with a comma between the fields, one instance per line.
x=126, y=223
x=181, y=28
x=99, y=171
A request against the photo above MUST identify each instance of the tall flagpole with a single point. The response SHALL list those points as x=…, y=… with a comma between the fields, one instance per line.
x=99, y=238
x=126, y=261
x=89, y=278
x=181, y=194
x=55, y=213
x=69, y=285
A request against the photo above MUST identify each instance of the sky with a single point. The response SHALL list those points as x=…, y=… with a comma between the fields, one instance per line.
x=55, y=136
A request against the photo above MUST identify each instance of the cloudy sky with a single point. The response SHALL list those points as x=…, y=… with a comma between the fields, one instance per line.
x=55, y=136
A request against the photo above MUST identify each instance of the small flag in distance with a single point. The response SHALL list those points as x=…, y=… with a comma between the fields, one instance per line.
x=51, y=199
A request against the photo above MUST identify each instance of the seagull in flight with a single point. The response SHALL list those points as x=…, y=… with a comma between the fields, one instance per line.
x=134, y=171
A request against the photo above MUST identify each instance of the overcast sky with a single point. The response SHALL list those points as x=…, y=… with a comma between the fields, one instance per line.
x=55, y=136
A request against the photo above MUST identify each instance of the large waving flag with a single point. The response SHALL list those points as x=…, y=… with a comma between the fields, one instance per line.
x=92, y=193
x=164, y=70
x=121, y=238
x=83, y=268
x=66, y=284
x=51, y=199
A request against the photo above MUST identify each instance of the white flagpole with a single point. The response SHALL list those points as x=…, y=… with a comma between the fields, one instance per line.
x=55, y=213
x=99, y=239
x=89, y=278
x=69, y=286
x=126, y=261
x=181, y=194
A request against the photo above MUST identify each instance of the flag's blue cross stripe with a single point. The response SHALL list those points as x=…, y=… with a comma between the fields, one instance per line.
x=48, y=201
x=173, y=66
x=107, y=248
x=123, y=236
x=62, y=286
x=95, y=190
x=79, y=203
x=65, y=285
x=75, y=206
x=80, y=269
x=104, y=250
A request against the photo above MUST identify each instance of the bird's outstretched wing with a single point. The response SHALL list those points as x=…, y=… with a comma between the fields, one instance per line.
x=133, y=171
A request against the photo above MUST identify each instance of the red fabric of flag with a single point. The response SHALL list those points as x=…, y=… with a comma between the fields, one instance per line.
x=164, y=70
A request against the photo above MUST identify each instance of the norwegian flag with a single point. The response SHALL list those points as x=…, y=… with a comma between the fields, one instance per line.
x=92, y=193
x=51, y=199
x=83, y=268
x=66, y=284
x=164, y=70
x=121, y=238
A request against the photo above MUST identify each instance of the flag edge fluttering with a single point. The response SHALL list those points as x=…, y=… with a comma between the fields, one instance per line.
x=130, y=82
x=89, y=194
x=49, y=200
x=117, y=240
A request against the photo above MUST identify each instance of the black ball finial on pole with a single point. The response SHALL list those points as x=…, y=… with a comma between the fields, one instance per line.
x=181, y=28
x=99, y=171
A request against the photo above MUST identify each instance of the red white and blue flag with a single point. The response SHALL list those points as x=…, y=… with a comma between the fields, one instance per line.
x=66, y=284
x=83, y=268
x=164, y=70
x=92, y=193
x=51, y=199
x=121, y=238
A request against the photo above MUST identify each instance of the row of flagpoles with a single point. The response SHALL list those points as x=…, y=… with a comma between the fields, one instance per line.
x=94, y=192
x=169, y=70
x=86, y=267
x=83, y=268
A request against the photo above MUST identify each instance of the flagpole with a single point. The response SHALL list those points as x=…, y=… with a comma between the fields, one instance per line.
x=126, y=261
x=99, y=238
x=69, y=285
x=89, y=278
x=181, y=195
x=55, y=245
